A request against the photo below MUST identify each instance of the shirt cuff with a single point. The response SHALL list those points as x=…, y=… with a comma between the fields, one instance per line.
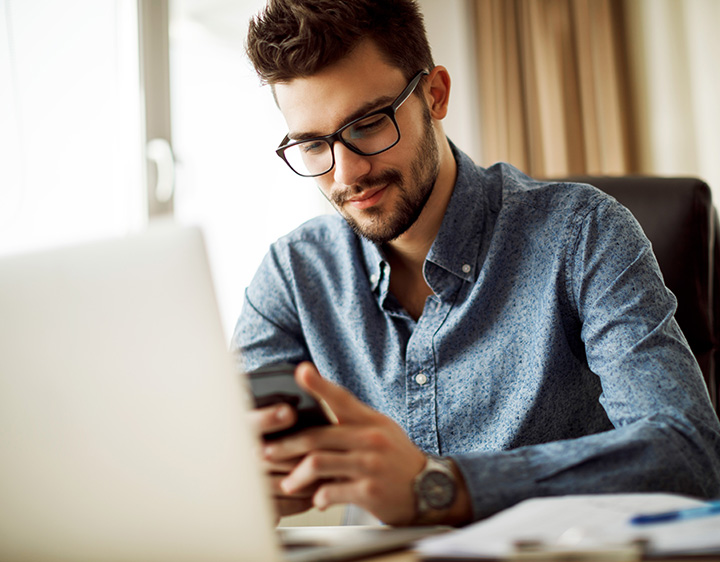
x=496, y=480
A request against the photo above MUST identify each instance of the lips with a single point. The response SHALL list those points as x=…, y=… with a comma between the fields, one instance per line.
x=367, y=198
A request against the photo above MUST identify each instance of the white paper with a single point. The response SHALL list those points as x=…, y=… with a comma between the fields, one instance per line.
x=591, y=522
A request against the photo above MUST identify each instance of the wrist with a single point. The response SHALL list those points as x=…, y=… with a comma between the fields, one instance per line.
x=441, y=496
x=461, y=512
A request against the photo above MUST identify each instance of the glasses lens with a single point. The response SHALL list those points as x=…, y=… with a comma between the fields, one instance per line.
x=372, y=134
x=311, y=158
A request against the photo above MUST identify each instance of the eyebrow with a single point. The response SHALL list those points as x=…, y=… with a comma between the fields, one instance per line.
x=360, y=112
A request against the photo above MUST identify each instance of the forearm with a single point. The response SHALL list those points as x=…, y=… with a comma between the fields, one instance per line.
x=654, y=454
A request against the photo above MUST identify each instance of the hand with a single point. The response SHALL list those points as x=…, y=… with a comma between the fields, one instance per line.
x=366, y=459
x=268, y=420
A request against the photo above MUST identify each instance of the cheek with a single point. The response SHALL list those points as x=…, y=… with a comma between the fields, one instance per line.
x=410, y=138
x=325, y=184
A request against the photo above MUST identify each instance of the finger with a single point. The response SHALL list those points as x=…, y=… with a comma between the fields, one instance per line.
x=344, y=405
x=277, y=491
x=271, y=419
x=367, y=495
x=338, y=492
x=279, y=467
x=334, y=438
x=320, y=466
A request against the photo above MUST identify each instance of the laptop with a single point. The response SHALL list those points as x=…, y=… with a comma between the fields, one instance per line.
x=122, y=416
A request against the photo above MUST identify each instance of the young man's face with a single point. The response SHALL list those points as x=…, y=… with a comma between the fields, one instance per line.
x=380, y=196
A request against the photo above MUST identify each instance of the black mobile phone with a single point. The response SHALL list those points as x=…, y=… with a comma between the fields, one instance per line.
x=275, y=384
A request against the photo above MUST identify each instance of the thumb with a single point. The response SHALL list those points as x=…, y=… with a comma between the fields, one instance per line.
x=343, y=404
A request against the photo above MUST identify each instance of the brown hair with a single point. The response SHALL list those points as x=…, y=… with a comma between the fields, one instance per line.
x=298, y=38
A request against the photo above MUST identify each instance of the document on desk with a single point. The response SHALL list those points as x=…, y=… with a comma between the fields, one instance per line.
x=583, y=523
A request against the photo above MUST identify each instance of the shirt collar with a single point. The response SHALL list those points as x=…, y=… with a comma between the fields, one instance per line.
x=374, y=262
x=457, y=244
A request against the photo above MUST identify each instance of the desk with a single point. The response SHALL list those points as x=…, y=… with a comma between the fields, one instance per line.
x=409, y=556
x=404, y=556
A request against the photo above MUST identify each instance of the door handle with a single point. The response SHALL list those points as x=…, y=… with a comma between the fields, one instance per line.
x=159, y=151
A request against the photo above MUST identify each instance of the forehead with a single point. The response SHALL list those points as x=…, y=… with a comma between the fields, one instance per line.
x=321, y=103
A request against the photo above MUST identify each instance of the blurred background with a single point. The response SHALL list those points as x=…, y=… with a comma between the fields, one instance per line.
x=116, y=113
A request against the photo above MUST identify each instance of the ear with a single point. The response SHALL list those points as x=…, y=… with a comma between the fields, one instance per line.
x=438, y=92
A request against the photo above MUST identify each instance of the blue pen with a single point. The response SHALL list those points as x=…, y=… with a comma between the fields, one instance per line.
x=709, y=508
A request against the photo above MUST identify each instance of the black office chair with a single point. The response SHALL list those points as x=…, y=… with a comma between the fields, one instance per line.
x=678, y=217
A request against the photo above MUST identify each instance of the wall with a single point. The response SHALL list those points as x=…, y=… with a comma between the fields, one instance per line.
x=450, y=31
x=675, y=60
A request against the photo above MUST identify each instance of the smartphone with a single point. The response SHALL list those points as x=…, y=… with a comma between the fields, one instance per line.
x=275, y=384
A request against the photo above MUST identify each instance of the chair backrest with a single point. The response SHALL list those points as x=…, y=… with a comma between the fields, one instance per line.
x=678, y=217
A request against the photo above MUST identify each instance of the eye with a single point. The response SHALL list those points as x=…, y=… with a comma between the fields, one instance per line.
x=313, y=147
x=368, y=126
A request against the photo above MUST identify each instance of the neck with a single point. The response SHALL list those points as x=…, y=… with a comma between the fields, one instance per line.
x=411, y=248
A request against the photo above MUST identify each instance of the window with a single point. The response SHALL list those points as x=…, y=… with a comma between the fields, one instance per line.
x=70, y=152
x=225, y=129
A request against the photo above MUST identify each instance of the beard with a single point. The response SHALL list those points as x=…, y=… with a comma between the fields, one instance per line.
x=381, y=226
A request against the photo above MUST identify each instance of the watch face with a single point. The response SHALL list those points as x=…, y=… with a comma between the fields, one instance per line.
x=438, y=490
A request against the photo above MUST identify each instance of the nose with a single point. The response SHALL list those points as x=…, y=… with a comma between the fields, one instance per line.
x=350, y=168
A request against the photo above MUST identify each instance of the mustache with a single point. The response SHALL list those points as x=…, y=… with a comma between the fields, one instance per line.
x=384, y=178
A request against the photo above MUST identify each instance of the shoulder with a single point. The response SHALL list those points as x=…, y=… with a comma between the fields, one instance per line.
x=557, y=217
x=518, y=190
x=323, y=247
x=320, y=234
x=552, y=205
x=507, y=191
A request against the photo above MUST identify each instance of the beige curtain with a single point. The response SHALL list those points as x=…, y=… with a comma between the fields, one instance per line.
x=554, y=86
x=675, y=69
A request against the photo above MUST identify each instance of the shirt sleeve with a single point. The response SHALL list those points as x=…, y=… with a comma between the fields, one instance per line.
x=666, y=436
x=268, y=329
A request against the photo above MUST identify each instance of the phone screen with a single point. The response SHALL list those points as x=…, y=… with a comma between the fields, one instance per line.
x=275, y=384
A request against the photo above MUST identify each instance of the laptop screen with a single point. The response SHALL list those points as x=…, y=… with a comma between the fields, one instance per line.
x=122, y=433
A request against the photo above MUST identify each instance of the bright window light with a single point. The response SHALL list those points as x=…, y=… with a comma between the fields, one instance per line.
x=70, y=153
x=225, y=130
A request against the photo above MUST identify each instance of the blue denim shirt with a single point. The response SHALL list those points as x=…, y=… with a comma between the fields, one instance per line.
x=546, y=362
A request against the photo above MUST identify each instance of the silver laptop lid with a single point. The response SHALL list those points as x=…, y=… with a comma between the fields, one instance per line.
x=121, y=416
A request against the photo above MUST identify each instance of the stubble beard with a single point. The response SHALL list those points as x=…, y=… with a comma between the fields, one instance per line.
x=382, y=226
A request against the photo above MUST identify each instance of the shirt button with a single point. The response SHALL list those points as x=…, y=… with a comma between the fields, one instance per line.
x=373, y=278
x=466, y=268
x=421, y=379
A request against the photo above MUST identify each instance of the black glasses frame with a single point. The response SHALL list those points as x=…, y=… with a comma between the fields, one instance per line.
x=332, y=138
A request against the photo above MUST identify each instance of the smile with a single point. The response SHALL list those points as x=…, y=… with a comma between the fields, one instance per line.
x=367, y=199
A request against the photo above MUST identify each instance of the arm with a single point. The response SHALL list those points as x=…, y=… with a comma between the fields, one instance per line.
x=666, y=436
x=259, y=341
x=366, y=459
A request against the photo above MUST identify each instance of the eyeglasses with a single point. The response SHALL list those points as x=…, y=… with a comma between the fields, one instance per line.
x=371, y=134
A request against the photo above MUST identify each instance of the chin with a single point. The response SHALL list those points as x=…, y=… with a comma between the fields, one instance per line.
x=380, y=232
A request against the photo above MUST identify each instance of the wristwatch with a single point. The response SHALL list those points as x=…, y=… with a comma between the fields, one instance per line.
x=435, y=490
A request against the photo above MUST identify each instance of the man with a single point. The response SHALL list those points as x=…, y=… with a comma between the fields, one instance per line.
x=516, y=335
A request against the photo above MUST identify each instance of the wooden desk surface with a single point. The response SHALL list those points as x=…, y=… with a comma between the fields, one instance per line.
x=404, y=556
x=408, y=556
